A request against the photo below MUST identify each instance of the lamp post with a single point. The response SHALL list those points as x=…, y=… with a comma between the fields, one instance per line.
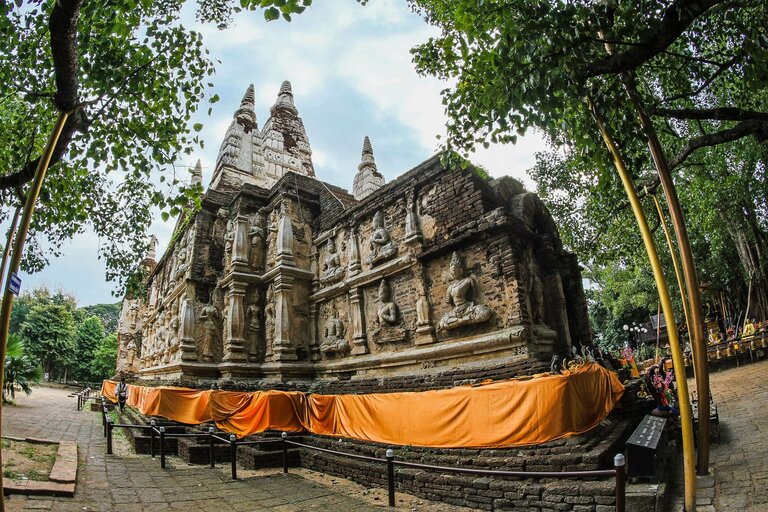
x=634, y=331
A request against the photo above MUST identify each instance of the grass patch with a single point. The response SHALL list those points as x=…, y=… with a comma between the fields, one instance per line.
x=28, y=461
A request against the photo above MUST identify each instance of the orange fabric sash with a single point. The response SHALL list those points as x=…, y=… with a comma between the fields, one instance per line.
x=513, y=412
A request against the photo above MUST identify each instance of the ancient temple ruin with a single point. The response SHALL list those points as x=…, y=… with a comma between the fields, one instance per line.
x=280, y=277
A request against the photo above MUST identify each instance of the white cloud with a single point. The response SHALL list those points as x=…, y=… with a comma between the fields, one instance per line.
x=334, y=46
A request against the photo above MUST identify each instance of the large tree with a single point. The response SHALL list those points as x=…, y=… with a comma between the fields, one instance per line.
x=89, y=335
x=48, y=334
x=132, y=76
x=699, y=69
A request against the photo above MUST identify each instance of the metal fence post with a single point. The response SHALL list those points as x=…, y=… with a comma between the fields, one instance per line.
x=284, y=437
x=79, y=398
x=211, y=452
x=162, y=447
x=233, y=454
x=621, y=480
x=391, y=476
x=152, y=438
x=104, y=418
x=109, y=436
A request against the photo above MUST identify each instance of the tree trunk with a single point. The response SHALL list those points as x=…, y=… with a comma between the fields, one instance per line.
x=748, y=237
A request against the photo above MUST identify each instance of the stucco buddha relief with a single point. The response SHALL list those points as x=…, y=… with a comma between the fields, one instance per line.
x=253, y=320
x=269, y=323
x=174, y=343
x=334, y=340
x=381, y=244
x=462, y=292
x=533, y=287
x=331, y=270
x=257, y=236
x=210, y=317
x=387, y=327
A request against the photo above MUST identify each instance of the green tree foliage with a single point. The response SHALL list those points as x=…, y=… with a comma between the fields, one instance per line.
x=133, y=76
x=20, y=370
x=104, y=358
x=700, y=70
x=49, y=337
x=109, y=314
x=88, y=338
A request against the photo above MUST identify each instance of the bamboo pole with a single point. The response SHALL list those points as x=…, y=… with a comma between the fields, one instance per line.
x=696, y=326
x=679, y=277
x=686, y=414
x=18, y=248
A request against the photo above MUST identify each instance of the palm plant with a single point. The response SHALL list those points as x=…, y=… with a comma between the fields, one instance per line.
x=20, y=370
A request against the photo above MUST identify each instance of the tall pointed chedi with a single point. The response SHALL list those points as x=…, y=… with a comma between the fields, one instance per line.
x=235, y=161
x=285, y=142
x=368, y=178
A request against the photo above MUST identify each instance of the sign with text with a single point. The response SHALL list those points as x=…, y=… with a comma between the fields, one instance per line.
x=14, y=284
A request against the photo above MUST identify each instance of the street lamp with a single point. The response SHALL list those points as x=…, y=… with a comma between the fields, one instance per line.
x=635, y=331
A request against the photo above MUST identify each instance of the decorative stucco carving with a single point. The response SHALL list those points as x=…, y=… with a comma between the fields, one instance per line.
x=334, y=340
x=387, y=326
x=332, y=270
x=269, y=322
x=381, y=244
x=253, y=317
x=210, y=318
x=257, y=237
x=461, y=294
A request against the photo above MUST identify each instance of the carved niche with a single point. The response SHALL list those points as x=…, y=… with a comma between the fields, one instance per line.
x=334, y=341
x=461, y=295
x=387, y=326
x=331, y=271
x=381, y=244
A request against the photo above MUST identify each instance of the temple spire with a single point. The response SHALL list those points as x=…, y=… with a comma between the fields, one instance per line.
x=247, y=108
x=197, y=173
x=284, y=98
x=152, y=249
x=368, y=179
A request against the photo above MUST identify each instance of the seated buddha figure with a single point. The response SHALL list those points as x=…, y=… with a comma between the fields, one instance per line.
x=334, y=341
x=381, y=244
x=332, y=270
x=461, y=292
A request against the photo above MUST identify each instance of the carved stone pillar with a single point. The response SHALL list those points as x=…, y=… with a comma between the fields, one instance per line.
x=282, y=346
x=314, y=337
x=357, y=318
x=187, y=330
x=241, y=243
x=284, y=240
x=354, y=253
x=314, y=269
x=234, y=339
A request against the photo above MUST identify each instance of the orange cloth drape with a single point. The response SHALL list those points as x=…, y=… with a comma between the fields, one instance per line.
x=505, y=413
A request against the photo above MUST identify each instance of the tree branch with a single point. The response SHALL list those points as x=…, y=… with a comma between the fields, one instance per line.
x=720, y=114
x=744, y=128
x=722, y=68
x=64, y=50
x=660, y=36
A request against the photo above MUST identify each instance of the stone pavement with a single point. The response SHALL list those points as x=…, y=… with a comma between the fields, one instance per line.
x=739, y=480
x=129, y=483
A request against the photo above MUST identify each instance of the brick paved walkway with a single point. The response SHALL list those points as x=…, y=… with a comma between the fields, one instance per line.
x=741, y=462
x=739, y=480
x=128, y=483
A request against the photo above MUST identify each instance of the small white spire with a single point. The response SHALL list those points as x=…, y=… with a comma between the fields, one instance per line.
x=368, y=179
x=197, y=173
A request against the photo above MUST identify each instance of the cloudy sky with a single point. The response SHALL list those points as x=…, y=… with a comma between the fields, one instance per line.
x=352, y=76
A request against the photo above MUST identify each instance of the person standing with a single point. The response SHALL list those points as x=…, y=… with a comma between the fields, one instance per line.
x=122, y=393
